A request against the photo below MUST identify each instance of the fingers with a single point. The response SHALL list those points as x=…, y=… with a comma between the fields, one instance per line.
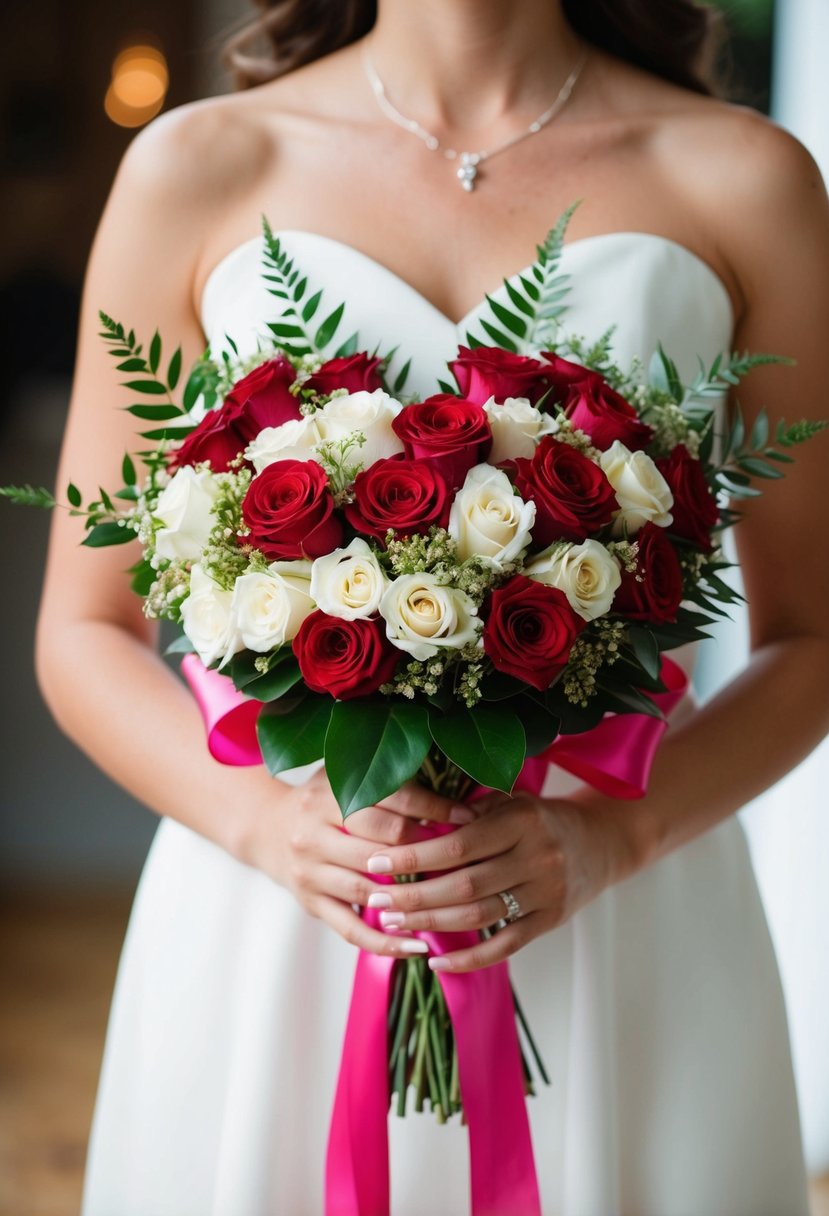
x=492, y=950
x=381, y=825
x=480, y=913
x=345, y=921
x=414, y=801
x=470, y=885
x=485, y=837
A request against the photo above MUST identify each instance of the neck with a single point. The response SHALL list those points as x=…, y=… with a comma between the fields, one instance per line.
x=461, y=66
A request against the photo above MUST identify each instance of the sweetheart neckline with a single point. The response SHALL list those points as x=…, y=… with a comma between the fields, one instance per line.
x=592, y=239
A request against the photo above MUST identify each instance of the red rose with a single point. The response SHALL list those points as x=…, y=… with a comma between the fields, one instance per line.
x=264, y=398
x=452, y=433
x=216, y=439
x=695, y=507
x=603, y=414
x=344, y=658
x=573, y=498
x=530, y=630
x=656, y=598
x=406, y=495
x=489, y=371
x=352, y=372
x=290, y=511
x=258, y=400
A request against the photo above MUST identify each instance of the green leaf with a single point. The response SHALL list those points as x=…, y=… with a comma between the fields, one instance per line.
x=328, y=328
x=499, y=338
x=402, y=377
x=132, y=365
x=646, y=649
x=155, y=352
x=174, y=370
x=760, y=431
x=127, y=472
x=181, y=645
x=153, y=387
x=349, y=347
x=109, y=533
x=143, y=577
x=28, y=496
x=297, y=737
x=271, y=685
x=156, y=413
x=372, y=748
x=488, y=743
x=310, y=306
x=758, y=468
x=508, y=319
x=73, y=495
x=631, y=701
x=168, y=432
x=541, y=726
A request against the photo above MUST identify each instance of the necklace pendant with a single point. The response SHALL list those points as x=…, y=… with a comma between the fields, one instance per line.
x=467, y=171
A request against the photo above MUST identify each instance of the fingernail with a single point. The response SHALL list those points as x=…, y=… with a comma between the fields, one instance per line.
x=379, y=864
x=461, y=814
x=378, y=900
x=438, y=963
x=413, y=945
x=388, y=919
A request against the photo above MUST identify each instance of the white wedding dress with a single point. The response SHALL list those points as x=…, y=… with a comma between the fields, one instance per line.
x=658, y=1008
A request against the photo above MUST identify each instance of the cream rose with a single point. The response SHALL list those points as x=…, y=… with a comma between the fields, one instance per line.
x=586, y=573
x=348, y=583
x=488, y=518
x=295, y=439
x=517, y=427
x=423, y=617
x=184, y=509
x=642, y=492
x=270, y=605
x=370, y=413
x=208, y=618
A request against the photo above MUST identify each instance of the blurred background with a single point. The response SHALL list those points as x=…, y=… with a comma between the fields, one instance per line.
x=76, y=82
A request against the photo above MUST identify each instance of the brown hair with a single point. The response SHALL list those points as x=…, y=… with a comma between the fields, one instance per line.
x=674, y=39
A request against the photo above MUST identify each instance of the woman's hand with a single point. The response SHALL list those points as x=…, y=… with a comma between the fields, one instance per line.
x=301, y=844
x=553, y=856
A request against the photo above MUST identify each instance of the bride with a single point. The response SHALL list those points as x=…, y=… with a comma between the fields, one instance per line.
x=641, y=950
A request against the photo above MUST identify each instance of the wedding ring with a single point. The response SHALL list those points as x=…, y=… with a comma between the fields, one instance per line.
x=512, y=906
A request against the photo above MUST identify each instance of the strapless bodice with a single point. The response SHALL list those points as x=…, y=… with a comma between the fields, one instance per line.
x=651, y=288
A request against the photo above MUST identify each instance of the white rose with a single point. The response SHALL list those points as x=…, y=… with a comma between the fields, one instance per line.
x=208, y=618
x=292, y=440
x=184, y=508
x=370, y=413
x=488, y=518
x=270, y=605
x=422, y=616
x=517, y=427
x=348, y=583
x=642, y=492
x=586, y=573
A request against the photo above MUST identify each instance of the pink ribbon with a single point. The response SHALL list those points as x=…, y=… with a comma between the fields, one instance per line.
x=615, y=757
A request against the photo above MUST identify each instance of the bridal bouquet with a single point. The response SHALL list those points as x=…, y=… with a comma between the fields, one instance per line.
x=434, y=589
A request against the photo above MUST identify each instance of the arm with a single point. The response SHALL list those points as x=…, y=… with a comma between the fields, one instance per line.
x=96, y=658
x=558, y=855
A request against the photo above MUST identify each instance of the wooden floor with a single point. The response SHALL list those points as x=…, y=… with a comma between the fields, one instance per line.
x=57, y=964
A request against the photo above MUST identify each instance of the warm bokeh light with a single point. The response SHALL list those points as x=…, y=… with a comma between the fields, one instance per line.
x=138, y=87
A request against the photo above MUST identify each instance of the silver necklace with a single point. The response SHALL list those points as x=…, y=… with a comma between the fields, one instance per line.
x=467, y=170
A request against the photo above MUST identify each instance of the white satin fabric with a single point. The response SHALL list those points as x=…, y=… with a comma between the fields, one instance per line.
x=658, y=1008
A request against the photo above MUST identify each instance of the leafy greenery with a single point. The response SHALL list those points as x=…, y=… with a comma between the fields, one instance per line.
x=373, y=747
x=298, y=331
x=528, y=322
